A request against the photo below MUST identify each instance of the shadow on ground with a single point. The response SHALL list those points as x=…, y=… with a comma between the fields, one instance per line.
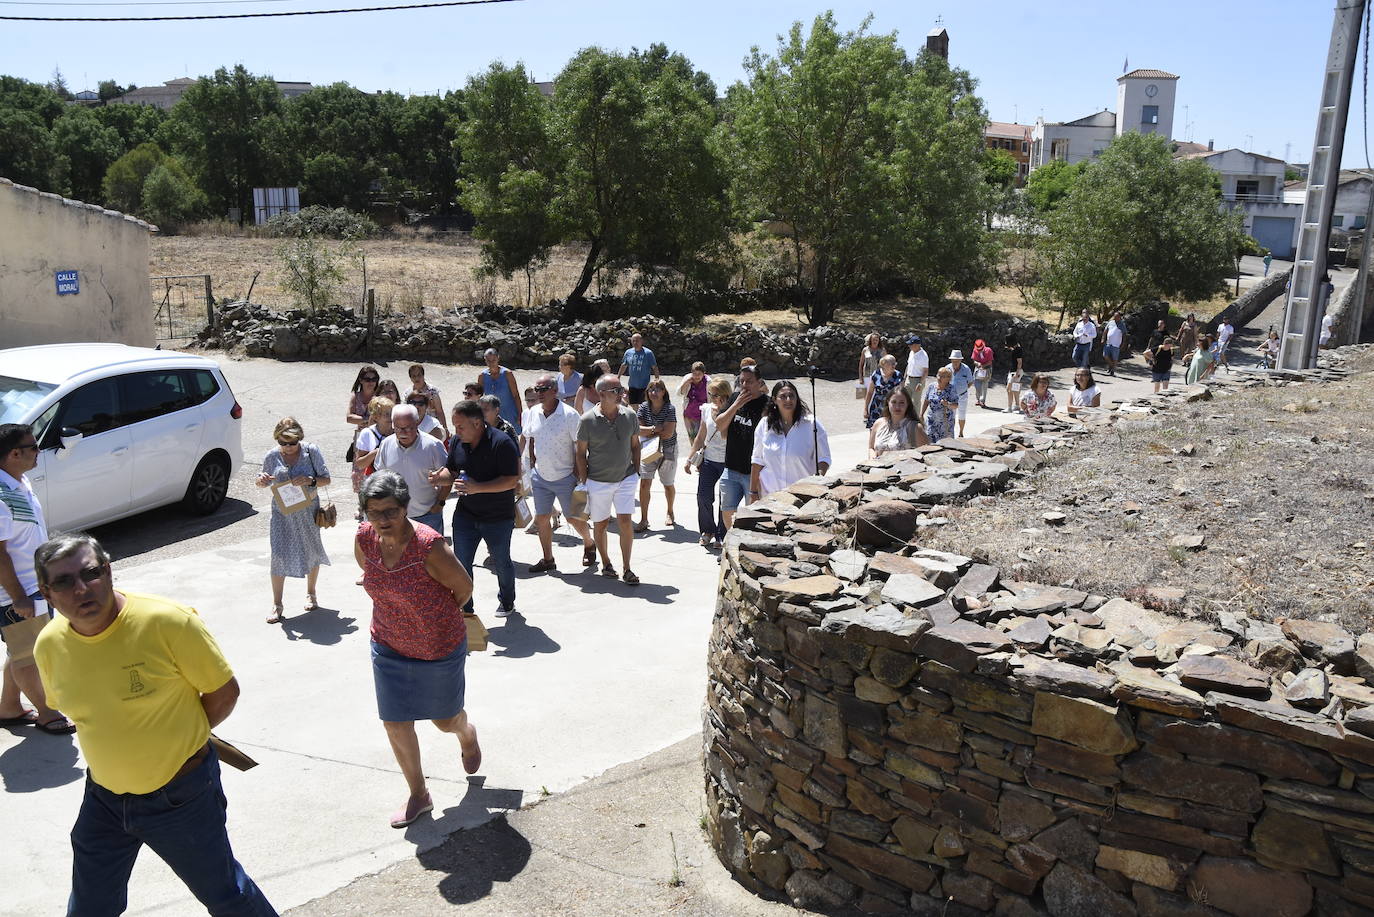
x=39, y=762
x=170, y=524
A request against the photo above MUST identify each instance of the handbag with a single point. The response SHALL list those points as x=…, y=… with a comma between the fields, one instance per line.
x=523, y=514
x=326, y=516
x=860, y=390
x=578, y=510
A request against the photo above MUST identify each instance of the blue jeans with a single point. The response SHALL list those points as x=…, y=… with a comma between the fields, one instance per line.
x=468, y=532
x=708, y=519
x=1082, y=354
x=734, y=487
x=434, y=520
x=183, y=823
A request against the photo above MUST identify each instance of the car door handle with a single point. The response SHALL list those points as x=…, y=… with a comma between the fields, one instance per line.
x=120, y=451
x=192, y=426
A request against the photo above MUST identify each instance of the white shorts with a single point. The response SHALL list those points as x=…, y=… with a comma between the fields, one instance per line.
x=963, y=405
x=603, y=496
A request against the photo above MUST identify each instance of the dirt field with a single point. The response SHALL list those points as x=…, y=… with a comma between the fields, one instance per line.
x=1277, y=481
x=411, y=274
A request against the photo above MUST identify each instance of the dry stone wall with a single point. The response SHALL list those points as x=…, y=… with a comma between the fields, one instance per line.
x=894, y=729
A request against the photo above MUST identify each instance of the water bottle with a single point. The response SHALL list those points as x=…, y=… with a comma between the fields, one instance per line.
x=463, y=481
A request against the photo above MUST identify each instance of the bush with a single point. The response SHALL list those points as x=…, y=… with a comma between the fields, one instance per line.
x=170, y=198
x=313, y=271
x=322, y=222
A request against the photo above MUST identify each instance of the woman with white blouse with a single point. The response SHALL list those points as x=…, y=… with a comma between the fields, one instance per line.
x=789, y=443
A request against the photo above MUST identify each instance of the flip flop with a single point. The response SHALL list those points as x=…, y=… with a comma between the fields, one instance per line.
x=471, y=762
x=412, y=810
x=52, y=728
x=27, y=718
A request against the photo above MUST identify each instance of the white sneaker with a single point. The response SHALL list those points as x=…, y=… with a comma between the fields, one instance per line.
x=505, y=610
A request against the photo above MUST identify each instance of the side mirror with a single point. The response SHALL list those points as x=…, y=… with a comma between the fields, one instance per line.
x=70, y=437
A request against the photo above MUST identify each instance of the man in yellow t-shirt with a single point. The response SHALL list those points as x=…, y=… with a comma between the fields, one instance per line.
x=144, y=683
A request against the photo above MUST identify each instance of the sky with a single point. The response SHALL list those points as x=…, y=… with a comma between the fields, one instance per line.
x=1250, y=72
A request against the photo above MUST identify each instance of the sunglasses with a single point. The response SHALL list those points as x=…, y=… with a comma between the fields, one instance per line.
x=287, y=443
x=88, y=575
x=384, y=515
x=371, y=378
x=543, y=388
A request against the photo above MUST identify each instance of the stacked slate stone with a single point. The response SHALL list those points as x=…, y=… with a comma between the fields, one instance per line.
x=894, y=728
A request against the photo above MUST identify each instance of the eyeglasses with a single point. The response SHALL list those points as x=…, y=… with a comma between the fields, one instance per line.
x=788, y=395
x=371, y=378
x=543, y=388
x=612, y=390
x=384, y=515
x=67, y=581
x=287, y=443
x=407, y=428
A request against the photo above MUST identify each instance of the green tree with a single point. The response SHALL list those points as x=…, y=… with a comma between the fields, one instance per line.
x=108, y=89
x=620, y=161
x=170, y=198
x=426, y=129
x=869, y=162
x=1138, y=225
x=218, y=130
x=122, y=187
x=27, y=153
x=89, y=148
x=135, y=124
x=1051, y=183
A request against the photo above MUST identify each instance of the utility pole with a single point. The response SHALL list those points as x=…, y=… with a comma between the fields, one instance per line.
x=1306, y=301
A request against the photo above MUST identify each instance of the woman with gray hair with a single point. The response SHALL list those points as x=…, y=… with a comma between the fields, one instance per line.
x=419, y=636
x=296, y=547
x=499, y=382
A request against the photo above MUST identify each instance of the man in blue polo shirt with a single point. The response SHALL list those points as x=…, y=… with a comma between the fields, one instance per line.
x=484, y=468
x=640, y=365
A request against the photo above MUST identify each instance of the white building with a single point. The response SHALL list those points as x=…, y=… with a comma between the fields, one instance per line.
x=1253, y=185
x=170, y=92
x=1144, y=103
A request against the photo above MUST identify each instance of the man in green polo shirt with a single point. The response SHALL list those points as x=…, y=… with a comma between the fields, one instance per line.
x=608, y=464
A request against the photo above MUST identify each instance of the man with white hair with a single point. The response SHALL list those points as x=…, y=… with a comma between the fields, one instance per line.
x=551, y=431
x=413, y=457
x=961, y=379
x=608, y=463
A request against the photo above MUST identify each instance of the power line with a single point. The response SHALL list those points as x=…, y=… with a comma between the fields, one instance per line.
x=361, y=9
x=145, y=3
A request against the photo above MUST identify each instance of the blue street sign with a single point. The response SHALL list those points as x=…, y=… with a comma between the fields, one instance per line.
x=67, y=282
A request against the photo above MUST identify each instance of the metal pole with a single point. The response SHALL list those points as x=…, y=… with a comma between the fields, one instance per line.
x=209, y=304
x=1302, y=315
x=815, y=430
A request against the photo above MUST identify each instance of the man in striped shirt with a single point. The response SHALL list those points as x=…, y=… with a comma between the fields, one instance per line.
x=22, y=530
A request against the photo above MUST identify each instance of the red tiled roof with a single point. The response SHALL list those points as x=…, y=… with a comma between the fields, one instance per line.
x=1148, y=75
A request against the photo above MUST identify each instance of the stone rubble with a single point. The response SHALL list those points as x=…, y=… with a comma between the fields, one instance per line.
x=905, y=730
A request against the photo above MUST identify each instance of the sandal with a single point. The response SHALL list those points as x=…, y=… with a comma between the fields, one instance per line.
x=473, y=760
x=630, y=579
x=58, y=726
x=415, y=807
x=642, y=525
x=589, y=556
x=609, y=571
x=671, y=521
x=27, y=718
x=311, y=603
x=276, y=616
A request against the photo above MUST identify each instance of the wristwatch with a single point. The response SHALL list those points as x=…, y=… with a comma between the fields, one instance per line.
x=312, y=480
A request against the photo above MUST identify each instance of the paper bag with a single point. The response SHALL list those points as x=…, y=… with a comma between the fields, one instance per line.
x=21, y=636
x=290, y=498
x=578, y=510
x=231, y=755
x=650, y=451
x=860, y=391
x=477, y=633
x=523, y=514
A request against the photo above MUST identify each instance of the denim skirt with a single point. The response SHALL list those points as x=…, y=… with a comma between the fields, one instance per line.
x=410, y=689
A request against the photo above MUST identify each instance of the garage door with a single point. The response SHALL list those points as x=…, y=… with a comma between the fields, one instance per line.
x=1275, y=234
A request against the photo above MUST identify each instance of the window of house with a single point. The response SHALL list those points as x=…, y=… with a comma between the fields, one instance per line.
x=1025, y=146
x=1357, y=222
x=1247, y=189
x=1338, y=220
x=1149, y=114
x=1059, y=149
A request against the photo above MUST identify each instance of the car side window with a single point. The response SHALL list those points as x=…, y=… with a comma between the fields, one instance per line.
x=202, y=385
x=153, y=394
x=92, y=409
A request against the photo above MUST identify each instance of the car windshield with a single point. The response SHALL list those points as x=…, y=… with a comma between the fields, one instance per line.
x=18, y=398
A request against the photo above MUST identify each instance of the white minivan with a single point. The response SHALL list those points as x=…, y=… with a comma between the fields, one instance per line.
x=122, y=429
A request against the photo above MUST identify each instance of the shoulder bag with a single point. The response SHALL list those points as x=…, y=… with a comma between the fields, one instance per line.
x=326, y=515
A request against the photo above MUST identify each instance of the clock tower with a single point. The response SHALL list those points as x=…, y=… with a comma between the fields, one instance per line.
x=1145, y=102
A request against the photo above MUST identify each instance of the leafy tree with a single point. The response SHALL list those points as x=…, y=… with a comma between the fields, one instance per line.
x=869, y=162
x=330, y=178
x=1137, y=225
x=312, y=271
x=58, y=84
x=217, y=128
x=27, y=153
x=35, y=98
x=89, y=148
x=170, y=198
x=619, y=161
x=135, y=124
x=108, y=89
x=1051, y=183
x=508, y=169
x=122, y=187
x=426, y=129
x=999, y=168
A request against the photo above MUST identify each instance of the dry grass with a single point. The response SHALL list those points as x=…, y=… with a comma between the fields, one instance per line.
x=415, y=269
x=408, y=274
x=1282, y=497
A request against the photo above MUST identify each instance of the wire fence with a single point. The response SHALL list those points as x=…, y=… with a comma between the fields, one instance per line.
x=185, y=305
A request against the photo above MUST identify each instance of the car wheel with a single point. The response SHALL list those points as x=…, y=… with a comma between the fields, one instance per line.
x=209, y=486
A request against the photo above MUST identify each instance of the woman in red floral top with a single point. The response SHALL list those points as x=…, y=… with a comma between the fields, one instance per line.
x=419, y=639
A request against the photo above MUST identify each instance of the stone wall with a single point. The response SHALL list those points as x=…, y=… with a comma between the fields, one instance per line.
x=533, y=338
x=897, y=729
x=1253, y=301
x=1343, y=312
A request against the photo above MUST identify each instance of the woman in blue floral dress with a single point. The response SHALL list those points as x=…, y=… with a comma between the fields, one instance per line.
x=296, y=547
x=884, y=379
x=941, y=403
